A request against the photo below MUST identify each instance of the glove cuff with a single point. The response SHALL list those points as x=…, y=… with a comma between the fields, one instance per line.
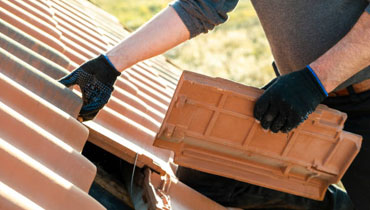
x=102, y=69
x=317, y=80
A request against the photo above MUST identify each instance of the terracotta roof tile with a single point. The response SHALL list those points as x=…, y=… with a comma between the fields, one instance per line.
x=32, y=58
x=211, y=128
x=61, y=125
x=167, y=194
x=32, y=179
x=34, y=44
x=31, y=30
x=39, y=83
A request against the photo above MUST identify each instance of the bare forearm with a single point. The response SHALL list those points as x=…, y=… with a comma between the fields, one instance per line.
x=163, y=32
x=347, y=57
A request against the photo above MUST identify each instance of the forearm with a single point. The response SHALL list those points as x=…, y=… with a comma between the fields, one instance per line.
x=347, y=57
x=163, y=32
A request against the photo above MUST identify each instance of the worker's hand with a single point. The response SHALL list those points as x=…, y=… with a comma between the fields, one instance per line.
x=95, y=78
x=269, y=84
x=289, y=100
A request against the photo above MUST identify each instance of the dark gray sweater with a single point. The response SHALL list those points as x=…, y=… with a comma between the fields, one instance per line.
x=299, y=31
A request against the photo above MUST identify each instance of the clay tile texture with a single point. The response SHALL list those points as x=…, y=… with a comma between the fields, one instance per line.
x=211, y=128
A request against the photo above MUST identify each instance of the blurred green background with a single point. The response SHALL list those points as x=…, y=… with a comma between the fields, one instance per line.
x=236, y=50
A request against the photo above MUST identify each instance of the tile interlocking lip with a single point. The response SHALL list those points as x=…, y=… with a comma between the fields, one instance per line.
x=30, y=18
x=37, y=9
x=210, y=127
x=70, y=22
x=32, y=30
x=34, y=44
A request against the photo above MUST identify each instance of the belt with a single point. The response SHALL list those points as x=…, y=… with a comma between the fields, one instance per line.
x=355, y=88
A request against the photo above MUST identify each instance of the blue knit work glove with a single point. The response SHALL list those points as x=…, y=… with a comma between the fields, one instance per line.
x=289, y=100
x=95, y=78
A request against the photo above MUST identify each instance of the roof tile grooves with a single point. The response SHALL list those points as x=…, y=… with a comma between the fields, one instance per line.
x=62, y=6
x=43, y=186
x=31, y=19
x=133, y=113
x=61, y=124
x=40, y=62
x=75, y=48
x=32, y=30
x=11, y=199
x=44, y=146
x=37, y=9
x=66, y=15
x=40, y=83
x=34, y=44
x=74, y=38
x=134, y=101
x=150, y=98
x=145, y=88
x=84, y=33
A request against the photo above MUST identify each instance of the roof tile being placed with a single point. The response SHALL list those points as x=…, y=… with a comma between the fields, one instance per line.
x=211, y=128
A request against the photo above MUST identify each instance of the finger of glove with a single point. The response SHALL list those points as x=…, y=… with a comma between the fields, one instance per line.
x=89, y=116
x=278, y=123
x=261, y=107
x=269, y=116
x=69, y=80
x=91, y=107
x=293, y=120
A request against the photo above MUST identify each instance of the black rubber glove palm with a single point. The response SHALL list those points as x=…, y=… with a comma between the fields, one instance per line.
x=289, y=100
x=95, y=78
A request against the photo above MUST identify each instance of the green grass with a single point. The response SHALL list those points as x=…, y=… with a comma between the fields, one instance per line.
x=237, y=49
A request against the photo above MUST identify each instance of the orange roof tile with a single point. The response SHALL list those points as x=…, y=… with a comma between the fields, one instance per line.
x=211, y=128
x=165, y=193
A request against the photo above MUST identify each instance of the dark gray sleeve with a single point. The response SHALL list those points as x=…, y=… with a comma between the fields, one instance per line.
x=200, y=16
x=368, y=7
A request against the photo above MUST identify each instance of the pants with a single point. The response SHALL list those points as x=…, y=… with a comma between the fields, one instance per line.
x=232, y=193
x=357, y=179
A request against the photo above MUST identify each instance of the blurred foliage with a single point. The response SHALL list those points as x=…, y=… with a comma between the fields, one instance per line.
x=237, y=49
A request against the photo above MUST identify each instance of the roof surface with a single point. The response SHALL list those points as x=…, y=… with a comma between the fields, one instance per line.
x=40, y=139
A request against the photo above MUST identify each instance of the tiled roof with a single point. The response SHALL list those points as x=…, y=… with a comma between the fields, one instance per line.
x=40, y=138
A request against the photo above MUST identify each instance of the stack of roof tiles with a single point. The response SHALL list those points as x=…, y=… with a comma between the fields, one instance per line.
x=40, y=138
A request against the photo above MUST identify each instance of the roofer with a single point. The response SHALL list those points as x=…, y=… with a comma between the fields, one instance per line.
x=319, y=47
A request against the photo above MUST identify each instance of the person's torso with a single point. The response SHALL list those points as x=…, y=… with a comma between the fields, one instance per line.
x=301, y=31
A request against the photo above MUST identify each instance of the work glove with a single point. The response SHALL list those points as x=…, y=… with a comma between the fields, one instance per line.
x=95, y=78
x=269, y=84
x=289, y=100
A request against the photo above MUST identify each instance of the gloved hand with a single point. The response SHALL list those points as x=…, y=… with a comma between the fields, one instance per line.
x=289, y=100
x=269, y=84
x=95, y=78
